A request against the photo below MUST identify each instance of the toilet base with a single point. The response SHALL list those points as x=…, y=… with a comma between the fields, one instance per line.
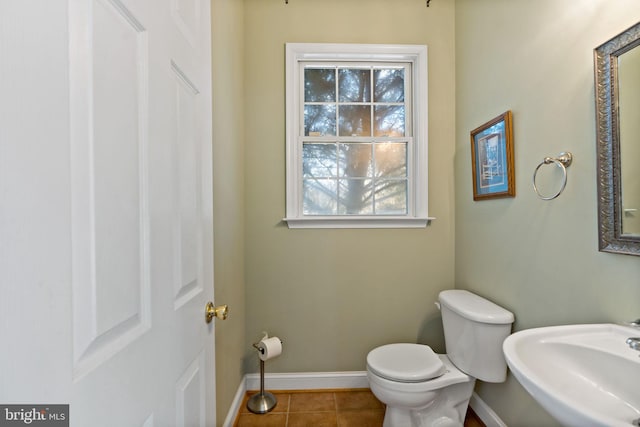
x=448, y=409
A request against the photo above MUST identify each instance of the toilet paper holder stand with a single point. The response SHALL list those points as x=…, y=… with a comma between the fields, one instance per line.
x=263, y=401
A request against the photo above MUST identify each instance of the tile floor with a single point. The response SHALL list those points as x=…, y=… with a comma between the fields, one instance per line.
x=325, y=408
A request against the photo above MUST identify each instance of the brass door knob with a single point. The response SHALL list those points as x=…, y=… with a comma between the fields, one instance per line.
x=221, y=312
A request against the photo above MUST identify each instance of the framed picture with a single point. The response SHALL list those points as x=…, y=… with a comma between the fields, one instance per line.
x=492, y=159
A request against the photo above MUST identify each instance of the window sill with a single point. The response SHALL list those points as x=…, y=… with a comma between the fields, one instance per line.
x=357, y=222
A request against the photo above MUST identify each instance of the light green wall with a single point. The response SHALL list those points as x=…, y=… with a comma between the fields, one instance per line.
x=332, y=295
x=539, y=259
x=228, y=167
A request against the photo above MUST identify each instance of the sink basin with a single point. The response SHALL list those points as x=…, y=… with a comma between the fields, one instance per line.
x=583, y=375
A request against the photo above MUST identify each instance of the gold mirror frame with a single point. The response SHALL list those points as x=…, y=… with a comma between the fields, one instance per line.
x=611, y=238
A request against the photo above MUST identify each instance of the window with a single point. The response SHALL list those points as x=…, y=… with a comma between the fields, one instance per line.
x=356, y=136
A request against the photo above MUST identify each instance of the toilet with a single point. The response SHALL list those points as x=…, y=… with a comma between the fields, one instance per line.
x=421, y=388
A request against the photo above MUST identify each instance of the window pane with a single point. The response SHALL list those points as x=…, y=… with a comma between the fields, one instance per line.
x=354, y=85
x=319, y=160
x=389, y=120
x=391, y=197
x=391, y=160
x=320, y=85
x=319, y=120
x=388, y=85
x=355, y=120
x=355, y=197
x=320, y=197
x=355, y=160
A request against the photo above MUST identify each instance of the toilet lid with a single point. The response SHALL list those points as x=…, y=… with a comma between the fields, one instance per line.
x=405, y=362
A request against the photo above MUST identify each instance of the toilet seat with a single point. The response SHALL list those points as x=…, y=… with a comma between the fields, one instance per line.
x=405, y=362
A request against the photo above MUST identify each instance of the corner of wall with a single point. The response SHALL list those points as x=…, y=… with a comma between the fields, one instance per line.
x=228, y=168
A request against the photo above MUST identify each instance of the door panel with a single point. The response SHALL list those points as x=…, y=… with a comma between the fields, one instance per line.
x=117, y=141
x=110, y=224
x=187, y=181
x=191, y=394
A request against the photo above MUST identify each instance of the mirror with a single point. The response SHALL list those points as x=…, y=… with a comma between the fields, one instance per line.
x=617, y=72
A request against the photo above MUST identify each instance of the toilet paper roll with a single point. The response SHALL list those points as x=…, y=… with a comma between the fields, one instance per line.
x=269, y=348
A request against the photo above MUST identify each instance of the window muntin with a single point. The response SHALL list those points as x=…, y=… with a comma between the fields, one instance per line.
x=356, y=156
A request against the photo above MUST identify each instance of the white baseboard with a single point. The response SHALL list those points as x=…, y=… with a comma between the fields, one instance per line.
x=332, y=380
x=309, y=380
x=484, y=412
x=236, y=404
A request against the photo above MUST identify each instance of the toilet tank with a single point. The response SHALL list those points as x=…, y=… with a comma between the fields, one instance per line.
x=474, y=330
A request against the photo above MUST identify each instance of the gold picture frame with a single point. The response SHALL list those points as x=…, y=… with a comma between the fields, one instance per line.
x=492, y=160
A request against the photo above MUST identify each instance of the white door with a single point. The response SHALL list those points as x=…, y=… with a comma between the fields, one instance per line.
x=106, y=230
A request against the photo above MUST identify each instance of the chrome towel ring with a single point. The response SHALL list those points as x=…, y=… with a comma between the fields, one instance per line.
x=563, y=161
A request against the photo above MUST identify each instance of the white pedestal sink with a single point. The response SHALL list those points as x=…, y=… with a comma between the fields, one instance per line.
x=583, y=375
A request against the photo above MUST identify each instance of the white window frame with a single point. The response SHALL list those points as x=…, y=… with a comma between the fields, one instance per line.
x=417, y=215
